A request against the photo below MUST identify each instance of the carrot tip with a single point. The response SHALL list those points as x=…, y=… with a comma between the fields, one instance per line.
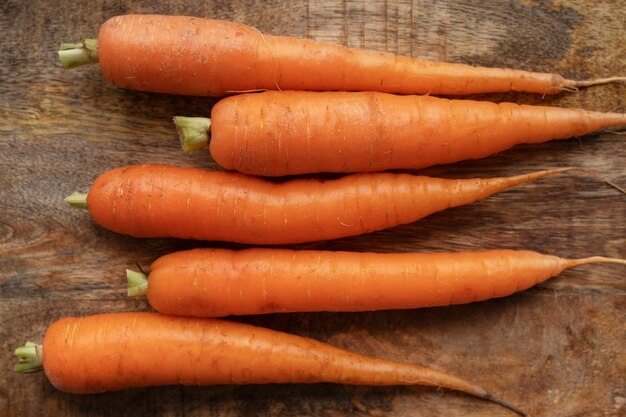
x=74, y=55
x=524, y=178
x=595, y=260
x=137, y=283
x=504, y=403
x=30, y=356
x=600, y=177
x=77, y=200
x=574, y=84
x=193, y=132
x=530, y=177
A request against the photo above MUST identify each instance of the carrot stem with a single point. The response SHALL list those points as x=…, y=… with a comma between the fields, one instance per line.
x=193, y=132
x=137, y=283
x=77, y=200
x=74, y=55
x=30, y=356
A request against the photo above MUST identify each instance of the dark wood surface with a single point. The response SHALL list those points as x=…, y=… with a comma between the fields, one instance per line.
x=555, y=350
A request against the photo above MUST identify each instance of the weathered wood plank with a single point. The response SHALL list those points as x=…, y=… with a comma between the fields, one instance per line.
x=557, y=349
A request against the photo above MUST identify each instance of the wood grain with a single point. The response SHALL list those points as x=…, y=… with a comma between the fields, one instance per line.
x=555, y=350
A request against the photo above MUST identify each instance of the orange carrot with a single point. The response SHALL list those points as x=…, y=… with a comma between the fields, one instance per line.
x=193, y=203
x=117, y=351
x=294, y=132
x=203, y=57
x=221, y=282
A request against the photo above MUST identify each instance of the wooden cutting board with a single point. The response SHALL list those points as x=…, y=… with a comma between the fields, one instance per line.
x=555, y=350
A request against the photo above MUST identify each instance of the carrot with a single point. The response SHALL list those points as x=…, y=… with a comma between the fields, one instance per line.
x=221, y=282
x=286, y=133
x=193, y=203
x=204, y=57
x=116, y=351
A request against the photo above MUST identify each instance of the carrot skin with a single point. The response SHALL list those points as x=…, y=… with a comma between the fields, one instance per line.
x=221, y=282
x=115, y=351
x=295, y=132
x=204, y=57
x=192, y=203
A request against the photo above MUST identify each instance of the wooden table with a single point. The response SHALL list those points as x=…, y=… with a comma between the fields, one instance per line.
x=555, y=350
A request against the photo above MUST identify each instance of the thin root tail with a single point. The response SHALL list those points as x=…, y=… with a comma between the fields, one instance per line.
x=504, y=403
x=596, y=260
x=574, y=84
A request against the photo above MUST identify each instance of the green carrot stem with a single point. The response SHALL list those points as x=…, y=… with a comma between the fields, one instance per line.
x=77, y=200
x=74, y=55
x=137, y=283
x=30, y=356
x=193, y=132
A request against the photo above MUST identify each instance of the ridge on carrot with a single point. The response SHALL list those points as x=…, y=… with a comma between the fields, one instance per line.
x=297, y=132
x=199, y=282
x=193, y=203
x=217, y=58
x=149, y=349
